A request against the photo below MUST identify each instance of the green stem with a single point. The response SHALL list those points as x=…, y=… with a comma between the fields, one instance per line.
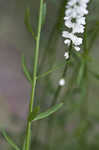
x=28, y=129
x=84, y=95
x=55, y=98
x=58, y=90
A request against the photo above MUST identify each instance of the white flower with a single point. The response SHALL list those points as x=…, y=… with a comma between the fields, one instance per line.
x=77, y=48
x=66, y=55
x=76, y=10
x=67, y=42
x=78, y=28
x=66, y=34
x=75, y=20
x=62, y=82
x=75, y=40
x=70, y=22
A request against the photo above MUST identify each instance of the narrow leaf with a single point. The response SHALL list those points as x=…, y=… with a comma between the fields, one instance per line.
x=10, y=141
x=27, y=20
x=50, y=71
x=25, y=69
x=23, y=147
x=44, y=14
x=80, y=74
x=48, y=112
x=34, y=113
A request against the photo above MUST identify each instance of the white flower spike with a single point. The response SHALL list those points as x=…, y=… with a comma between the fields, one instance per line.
x=75, y=20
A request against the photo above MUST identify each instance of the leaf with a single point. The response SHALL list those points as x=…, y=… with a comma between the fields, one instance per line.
x=43, y=14
x=80, y=73
x=23, y=147
x=94, y=34
x=10, y=141
x=27, y=21
x=34, y=113
x=25, y=69
x=50, y=71
x=48, y=112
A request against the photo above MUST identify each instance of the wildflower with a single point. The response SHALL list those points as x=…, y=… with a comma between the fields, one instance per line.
x=66, y=55
x=70, y=36
x=62, y=82
x=75, y=20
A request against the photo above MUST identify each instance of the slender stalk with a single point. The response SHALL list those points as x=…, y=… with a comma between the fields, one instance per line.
x=82, y=140
x=55, y=98
x=58, y=90
x=51, y=45
x=50, y=71
x=28, y=130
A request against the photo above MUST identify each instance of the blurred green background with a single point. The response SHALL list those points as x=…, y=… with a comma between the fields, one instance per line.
x=76, y=125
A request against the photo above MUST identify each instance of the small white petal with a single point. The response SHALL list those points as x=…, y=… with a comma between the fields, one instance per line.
x=67, y=42
x=66, y=55
x=78, y=28
x=77, y=48
x=65, y=34
x=76, y=40
x=68, y=23
x=61, y=82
